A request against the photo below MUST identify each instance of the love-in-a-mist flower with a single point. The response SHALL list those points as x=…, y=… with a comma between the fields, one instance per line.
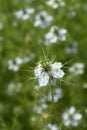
x=72, y=48
x=55, y=3
x=71, y=117
x=55, y=34
x=52, y=126
x=24, y=14
x=77, y=68
x=44, y=71
x=42, y=19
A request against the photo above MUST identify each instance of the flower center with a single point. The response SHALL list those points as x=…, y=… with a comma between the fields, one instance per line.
x=47, y=68
x=42, y=18
x=56, y=31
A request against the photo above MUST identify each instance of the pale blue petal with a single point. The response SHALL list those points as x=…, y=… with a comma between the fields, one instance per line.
x=56, y=66
x=58, y=74
x=62, y=31
x=37, y=71
x=43, y=79
x=53, y=39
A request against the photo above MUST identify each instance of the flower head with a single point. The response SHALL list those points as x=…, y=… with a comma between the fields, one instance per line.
x=52, y=126
x=45, y=70
x=24, y=15
x=77, y=68
x=42, y=19
x=55, y=34
x=55, y=3
x=72, y=48
x=71, y=117
x=57, y=95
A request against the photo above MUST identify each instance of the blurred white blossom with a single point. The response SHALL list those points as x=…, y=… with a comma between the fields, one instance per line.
x=77, y=68
x=14, y=65
x=52, y=126
x=29, y=10
x=42, y=19
x=18, y=60
x=72, y=48
x=55, y=34
x=38, y=109
x=56, y=95
x=42, y=105
x=24, y=15
x=44, y=71
x=71, y=117
x=55, y=3
x=13, y=88
x=72, y=10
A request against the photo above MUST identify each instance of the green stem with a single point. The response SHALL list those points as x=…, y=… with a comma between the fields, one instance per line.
x=52, y=94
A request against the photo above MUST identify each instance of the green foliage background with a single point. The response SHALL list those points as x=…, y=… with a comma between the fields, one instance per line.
x=16, y=108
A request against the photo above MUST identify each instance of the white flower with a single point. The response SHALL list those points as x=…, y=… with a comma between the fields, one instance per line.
x=42, y=19
x=57, y=95
x=52, y=126
x=37, y=109
x=12, y=66
x=72, y=48
x=18, y=60
x=29, y=10
x=19, y=14
x=44, y=72
x=71, y=117
x=24, y=15
x=55, y=3
x=77, y=68
x=13, y=88
x=41, y=107
x=55, y=34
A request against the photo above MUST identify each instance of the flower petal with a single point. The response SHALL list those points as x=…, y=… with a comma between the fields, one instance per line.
x=49, y=35
x=58, y=74
x=62, y=31
x=62, y=37
x=77, y=116
x=56, y=65
x=53, y=39
x=37, y=23
x=43, y=79
x=38, y=71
